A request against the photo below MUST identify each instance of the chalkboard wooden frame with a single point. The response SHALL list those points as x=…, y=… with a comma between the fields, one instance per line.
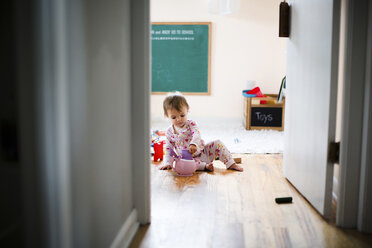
x=209, y=24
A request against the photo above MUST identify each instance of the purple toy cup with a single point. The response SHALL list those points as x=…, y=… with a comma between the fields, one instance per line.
x=186, y=154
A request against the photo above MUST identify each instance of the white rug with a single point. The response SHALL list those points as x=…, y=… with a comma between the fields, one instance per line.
x=234, y=136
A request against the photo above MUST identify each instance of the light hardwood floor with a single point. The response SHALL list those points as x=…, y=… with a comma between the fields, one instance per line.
x=233, y=209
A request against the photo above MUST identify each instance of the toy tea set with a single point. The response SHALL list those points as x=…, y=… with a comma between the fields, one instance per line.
x=185, y=165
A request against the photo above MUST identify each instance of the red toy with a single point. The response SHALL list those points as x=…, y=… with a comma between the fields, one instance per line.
x=158, y=151
x=258, y=93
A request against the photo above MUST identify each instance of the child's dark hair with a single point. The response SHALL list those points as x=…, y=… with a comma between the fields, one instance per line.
x=174, y=101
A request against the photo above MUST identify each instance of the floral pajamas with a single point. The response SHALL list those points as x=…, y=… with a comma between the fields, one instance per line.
x=205, y=154
x=215, y=149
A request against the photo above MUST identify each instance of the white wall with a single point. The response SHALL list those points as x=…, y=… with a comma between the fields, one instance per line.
x=245, y=46
x=79, y=107
x=100, y=108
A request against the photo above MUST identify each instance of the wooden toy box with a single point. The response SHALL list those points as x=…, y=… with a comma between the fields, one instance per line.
x=263, y=116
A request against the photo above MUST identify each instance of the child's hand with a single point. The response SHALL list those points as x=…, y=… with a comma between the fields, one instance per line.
x=192, y=149
x=166, y=167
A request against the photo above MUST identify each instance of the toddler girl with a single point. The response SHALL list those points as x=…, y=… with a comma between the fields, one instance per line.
x=184, y=134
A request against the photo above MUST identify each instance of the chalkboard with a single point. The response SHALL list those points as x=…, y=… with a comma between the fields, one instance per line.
x=266, y=117
x=180, y=58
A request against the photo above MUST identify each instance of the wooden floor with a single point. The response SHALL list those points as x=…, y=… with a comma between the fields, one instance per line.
x=233, y=209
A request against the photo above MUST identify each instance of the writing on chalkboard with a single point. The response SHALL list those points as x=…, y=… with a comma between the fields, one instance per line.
x=173, y=31
x=263, y=117
x=266, y=116
x=173, y=38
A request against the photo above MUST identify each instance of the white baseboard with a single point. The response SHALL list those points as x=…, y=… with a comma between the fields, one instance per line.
x=127, y=231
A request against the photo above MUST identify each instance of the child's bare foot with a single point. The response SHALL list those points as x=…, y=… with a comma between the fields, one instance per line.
x=235, y=167
x=165, y=167
x=209, y=167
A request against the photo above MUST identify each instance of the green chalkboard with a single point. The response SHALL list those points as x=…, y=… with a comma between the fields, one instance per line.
x=180, y=58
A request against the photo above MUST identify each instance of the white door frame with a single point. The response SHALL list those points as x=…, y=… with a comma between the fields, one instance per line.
x=353, y=154
x=365, y=194
x=53, y=122
x=140, y=38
